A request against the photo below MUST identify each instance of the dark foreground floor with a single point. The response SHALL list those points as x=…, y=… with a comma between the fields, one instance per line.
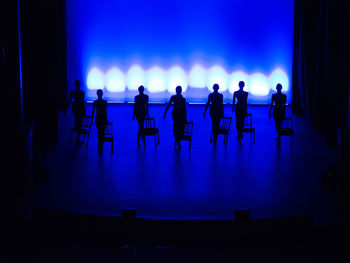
x=207, y=184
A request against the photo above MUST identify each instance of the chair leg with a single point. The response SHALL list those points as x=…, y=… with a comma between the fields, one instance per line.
x=189, y=146
x=227, y=140
x=70, y=137
x=158, y=137
x=155, y=141
x=87, y=140
x=254, y=137
x=251, y=139
x=112, y=146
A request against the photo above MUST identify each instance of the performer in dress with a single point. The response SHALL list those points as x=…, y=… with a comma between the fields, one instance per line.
x=216, y=110
x=179, y=116
x=140, y=111
x=241, y=108
x=278, y=104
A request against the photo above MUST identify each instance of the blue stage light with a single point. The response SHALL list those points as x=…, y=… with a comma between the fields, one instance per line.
x=198, y=77
x=156, y=80
x=176, y=77
x=136, y=77
x=115, y=80
x=217, y=75
x=259, y=85
x=95, y=79
x=258, y=37
x=235, y=78
x=279, y=76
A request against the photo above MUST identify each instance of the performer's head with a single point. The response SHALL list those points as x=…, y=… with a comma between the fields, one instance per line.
x=99, y=93
x=216, y=87
x=178, y=90
x=141, y=89
x=279, y=87
x=241, y=85
x=77, y=84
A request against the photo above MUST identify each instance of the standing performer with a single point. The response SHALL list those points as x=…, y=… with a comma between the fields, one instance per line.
x=78, y=107
x=216, y=109
x=278, y=103
x=100, y=105
x=140, y=111
x=179, y=116
x=241, y=108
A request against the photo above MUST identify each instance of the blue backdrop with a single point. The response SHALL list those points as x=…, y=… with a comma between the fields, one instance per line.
x=119, y=45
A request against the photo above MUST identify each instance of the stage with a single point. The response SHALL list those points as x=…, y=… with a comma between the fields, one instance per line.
x=208, y=184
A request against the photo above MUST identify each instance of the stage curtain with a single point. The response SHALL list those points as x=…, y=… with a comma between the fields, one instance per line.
x=321, y=64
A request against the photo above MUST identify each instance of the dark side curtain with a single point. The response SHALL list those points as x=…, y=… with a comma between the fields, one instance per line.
x=321, y=64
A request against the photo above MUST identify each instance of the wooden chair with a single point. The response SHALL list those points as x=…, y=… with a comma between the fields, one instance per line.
x=188, y=134
x=108, y=135
x=85, y=130
x=224, y=128
x=248, y=128
x=150, y=130
x=287, y=130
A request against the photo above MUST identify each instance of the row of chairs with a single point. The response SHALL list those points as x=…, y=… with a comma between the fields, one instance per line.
x=150, y=129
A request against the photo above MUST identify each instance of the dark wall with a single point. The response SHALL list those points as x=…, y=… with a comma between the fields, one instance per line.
x=9, y=65
x=14, y=169
x=321, y=64
x=44, y=66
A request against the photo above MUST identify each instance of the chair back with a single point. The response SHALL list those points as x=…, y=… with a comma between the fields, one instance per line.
x=188, y=128
x=248, y=122
x=149, y=123
x=109, y=130
x=225, y=123
x=287, y=124
x=86, y=122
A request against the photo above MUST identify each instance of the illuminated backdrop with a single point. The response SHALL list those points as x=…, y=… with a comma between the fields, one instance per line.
x=119, y=45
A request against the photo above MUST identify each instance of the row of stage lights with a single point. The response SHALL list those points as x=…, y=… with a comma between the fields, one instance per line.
x=157, y=79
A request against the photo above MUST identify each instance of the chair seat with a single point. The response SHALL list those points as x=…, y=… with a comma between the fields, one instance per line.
x=186, y=137
x=150, y=131
x=81, y=130
x=107, y=138
x=287, y=132
x=248, y=129
x=222, y=131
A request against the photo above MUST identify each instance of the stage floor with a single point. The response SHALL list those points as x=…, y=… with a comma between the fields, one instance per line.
x=206, y=184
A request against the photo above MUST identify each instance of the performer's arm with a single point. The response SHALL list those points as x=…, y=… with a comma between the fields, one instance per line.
x=233, y=103
x=167, y=107
x=207, y=105
x=271, y=107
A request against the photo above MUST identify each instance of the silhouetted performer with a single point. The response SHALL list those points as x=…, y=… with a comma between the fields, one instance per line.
x=140, y=111
x=241, y=108
x=278, y=103
x=100, y=105
x=179, y=115
x=216, y=109
x=78, y=106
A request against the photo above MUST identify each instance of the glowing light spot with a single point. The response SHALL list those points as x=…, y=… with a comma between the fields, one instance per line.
x=235, y=78
x=198, y=77
x=136, y=77
x=115, y=80
x=259, y=85
x=217, y=75
x=156, y=80
x=95, y=79
x=176, y=77
x=279, y=76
